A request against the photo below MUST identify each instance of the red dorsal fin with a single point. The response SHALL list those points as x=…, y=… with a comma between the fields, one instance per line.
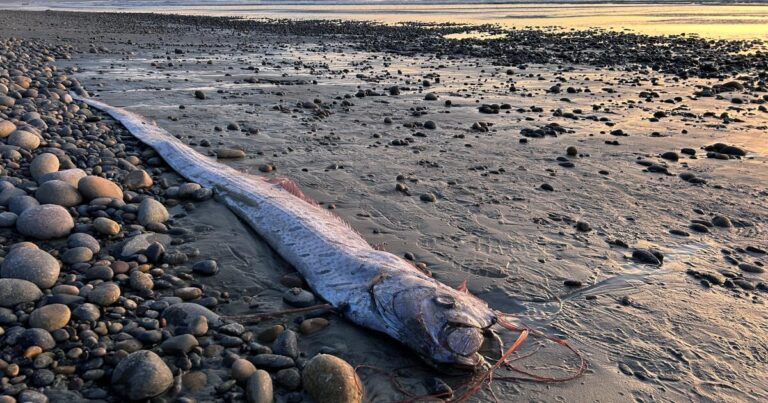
x=463, y=286
x=380, y=246
x=292, y=188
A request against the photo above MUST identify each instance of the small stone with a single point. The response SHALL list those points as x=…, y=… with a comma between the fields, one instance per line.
x=94, y=187
x=105, y=226
x=206, y=267
x=24, y=139
x=571, y=151
x=50, y=317
x=313, y=325
x=80, y=254
x=241, y=370
x=299, y=298
x=184, y=315
x=44, y=163
x=141, y=281
x=138, y=179
x=289, y=378
x=31, y=264
x=141, y=375
x=287, y=344
x=721, y=221
x=81, y=239
x=583, y=226
x=8, y=219
x=272, y=361
x=258, y=388
x=45, y=222
x=188, y=293
x=270, y=334
x=181, y=344
x=199, y=94
x=86, y=312
x=547, y=187
x=14, y=291
x=428, y=197
x=58, y=192
x=71, y=176
x=36, y=337
x=329, y=379
x=645, y=256
x=6, y=127
x=105, y=294
x=751, y=268
x=152, y=211
x=229, y=153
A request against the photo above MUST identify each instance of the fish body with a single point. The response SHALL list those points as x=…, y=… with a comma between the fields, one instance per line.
x=372, y=288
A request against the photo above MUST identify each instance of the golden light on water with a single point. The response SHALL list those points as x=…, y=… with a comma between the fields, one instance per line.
x=711, y=21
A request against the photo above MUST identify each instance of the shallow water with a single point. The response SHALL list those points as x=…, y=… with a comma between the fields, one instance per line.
x=723, y=21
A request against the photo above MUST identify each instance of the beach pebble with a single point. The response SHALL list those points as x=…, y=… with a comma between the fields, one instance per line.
x=152, y=211
x=141, y=375
x=31, y=264
x=80, y=239
x=58, y=192
x=14, y=291
x=141, y=281
x=242, y=370
x=289, y=378
x=258, y=388
x=104, y=294
x=10, y=193
x=287, y=344
x=184, y=315
x=19, y=204
x=270, y=334
x=94, y=187
x=24, y=139
x=646, y=256
x=329, y=379
x=138, y=179
x=206, y=267
x=181, y=344
x=44, y=163
x=751, y=268
x=80, y=254
x=313, y=325
x=721, y=221
x=8, y=219
x=71, y=176
x=36, y=337
x=47, y=221
x=298, y=297
x=105, y=226
x=188, y=293
x=86, y=312
x=6, y=128
x=50, y=317
x=229, y=153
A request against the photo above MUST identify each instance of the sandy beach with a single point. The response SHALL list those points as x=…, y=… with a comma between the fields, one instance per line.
x=609, y=189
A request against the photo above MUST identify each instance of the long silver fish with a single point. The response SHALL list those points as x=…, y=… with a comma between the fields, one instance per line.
x=372, y=288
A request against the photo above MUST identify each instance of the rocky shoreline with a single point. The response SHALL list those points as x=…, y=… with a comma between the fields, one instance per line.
x=104, y=297
x=99, y=299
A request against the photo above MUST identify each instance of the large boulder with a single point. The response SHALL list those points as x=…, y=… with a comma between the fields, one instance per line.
x=31, y=264
x=47, y=221
x=14, y=291
x=94, y=187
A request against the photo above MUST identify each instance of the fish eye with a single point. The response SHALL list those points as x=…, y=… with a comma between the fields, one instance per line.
x=446, y=301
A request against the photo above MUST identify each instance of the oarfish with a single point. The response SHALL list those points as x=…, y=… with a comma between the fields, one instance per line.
x=370, y=287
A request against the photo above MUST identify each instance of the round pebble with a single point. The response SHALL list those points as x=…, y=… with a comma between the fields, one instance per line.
x=47, y=221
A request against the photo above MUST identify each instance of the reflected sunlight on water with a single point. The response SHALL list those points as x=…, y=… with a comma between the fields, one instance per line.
x=742, y=21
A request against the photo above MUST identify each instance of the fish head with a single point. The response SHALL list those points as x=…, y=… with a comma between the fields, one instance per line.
x=445, y=326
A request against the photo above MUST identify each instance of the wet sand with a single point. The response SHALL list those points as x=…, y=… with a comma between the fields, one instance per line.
x=552, y=257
